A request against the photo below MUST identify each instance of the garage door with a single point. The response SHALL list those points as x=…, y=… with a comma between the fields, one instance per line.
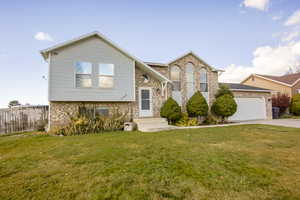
x=249, y=109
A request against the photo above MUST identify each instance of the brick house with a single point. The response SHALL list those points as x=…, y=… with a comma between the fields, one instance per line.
x=93, y=71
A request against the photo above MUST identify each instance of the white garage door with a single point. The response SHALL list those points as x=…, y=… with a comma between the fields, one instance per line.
x=249, y=109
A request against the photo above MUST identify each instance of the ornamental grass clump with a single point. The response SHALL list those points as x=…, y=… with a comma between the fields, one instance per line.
x=88, y=121
x=186, y=121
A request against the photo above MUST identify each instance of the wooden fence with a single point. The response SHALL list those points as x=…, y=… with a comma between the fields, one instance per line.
x=23, y=118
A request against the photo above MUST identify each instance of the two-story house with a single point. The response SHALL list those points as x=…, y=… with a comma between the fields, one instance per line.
x=93, y=71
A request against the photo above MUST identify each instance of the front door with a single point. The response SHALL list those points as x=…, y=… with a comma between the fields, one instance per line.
x=145, y=102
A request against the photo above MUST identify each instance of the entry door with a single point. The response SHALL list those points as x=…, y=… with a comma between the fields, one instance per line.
x=145, y=102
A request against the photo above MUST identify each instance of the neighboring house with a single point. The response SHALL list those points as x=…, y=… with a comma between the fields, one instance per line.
x=93, y=71
x=286, y=84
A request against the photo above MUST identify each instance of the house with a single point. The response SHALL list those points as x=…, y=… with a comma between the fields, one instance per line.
x=287, y=84
x=93, y=71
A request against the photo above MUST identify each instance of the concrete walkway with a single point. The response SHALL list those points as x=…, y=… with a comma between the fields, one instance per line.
x=294, y=123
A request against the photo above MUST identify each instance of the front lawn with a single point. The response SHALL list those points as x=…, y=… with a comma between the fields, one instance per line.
x=290, y=117
x=238, y=162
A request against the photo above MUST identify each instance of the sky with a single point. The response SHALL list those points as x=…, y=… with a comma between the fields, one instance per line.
x=238, y=36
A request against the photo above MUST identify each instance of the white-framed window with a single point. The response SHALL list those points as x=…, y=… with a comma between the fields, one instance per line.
x=203, y=80
x=190, y=79
x=106, y=75
x=83, y=74
x=175, y=77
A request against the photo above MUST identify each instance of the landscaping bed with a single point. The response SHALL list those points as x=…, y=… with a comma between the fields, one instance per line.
x=236, y=162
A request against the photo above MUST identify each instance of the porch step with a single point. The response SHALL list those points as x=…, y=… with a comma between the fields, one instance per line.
x=150, y=120
x=152, y=124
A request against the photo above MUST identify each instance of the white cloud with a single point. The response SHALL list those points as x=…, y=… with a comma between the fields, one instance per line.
x=290, y=36
x=43, y=36
x=267, y=60
x=293, y=19
x=257, y=4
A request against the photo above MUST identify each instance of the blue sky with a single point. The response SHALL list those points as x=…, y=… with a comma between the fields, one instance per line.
x=240, y=36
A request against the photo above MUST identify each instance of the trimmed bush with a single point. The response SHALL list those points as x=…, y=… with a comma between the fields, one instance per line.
x=197, y=105
x=210, y=120
x=282, y=101
x=171, y=110
x=295, y=105
x=224, y=106
x=224, y=89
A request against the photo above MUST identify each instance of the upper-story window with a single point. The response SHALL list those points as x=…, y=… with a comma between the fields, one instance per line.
x=189, y=73
x=203, y=80
x=106, y=75
x=175, y=77
x=83, y=74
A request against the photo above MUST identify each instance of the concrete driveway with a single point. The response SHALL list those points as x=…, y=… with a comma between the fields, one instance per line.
x=295, y=123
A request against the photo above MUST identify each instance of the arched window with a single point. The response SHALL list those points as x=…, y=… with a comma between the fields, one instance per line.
x=189, y=72
x=175, y=77
x=203, y=80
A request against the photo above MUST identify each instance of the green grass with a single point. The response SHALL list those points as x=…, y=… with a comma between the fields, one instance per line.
x=238, y=162
x=290, y=117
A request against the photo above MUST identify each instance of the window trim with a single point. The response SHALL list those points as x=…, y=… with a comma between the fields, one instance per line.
x=75, y=73
x=99, y=75
x=200, y=81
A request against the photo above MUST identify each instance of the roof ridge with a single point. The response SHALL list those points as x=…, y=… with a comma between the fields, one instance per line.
x=288, y=79
x=291, y=74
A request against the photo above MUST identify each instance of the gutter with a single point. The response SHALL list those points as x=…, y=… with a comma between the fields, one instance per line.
x=246, y=90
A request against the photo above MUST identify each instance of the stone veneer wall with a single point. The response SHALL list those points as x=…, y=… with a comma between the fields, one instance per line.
x=213, y=85
x=60, y=111
x=164, y=70
x=266, y=95
x=157, y=98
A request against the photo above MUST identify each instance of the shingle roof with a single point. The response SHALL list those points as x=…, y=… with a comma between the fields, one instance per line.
x=237, y=86
x=288, y=79
x=156, y=64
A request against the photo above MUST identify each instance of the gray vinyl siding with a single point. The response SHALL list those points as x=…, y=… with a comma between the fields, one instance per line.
x=94, y=50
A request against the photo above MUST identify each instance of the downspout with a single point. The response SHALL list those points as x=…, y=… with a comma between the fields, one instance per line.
x=49, y=114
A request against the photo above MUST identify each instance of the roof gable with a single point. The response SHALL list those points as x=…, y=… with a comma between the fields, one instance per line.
x=196, y=56
x=142, y=65
x=287, y=80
